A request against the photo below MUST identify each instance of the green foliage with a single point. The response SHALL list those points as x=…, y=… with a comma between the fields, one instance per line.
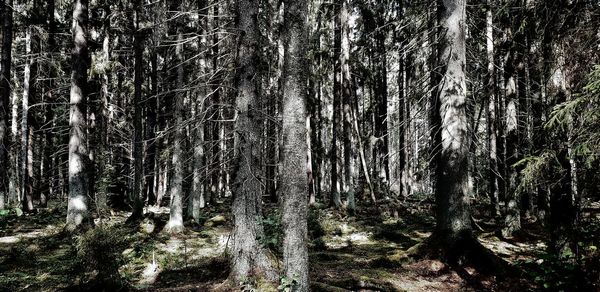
x=100, y=249
x=273, y=232
x=537, y=170
x=287, y=284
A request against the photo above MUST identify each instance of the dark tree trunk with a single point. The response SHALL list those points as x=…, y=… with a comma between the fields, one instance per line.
x=138, y=162
x=5, y=89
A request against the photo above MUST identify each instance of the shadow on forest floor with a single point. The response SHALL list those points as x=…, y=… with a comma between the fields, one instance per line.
x=347, y=253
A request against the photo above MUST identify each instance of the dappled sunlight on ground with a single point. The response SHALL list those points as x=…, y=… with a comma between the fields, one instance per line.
x=348, y=254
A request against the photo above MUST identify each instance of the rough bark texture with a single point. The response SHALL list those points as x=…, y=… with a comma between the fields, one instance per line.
x=175, y=224
x=5, y=65
x=336, y=127
x=197, y=200
x=452, y=188
x=77, y=212
x=248, y=258
x=27, y=200
x=294, y=190
x=493, y=191
x=138, y=162
x=348, y=183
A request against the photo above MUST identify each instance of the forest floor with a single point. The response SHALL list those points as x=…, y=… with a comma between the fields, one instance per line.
x=347, y=253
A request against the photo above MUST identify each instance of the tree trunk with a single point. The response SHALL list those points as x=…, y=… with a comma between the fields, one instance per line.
x=197, y=200
x=336, y=126
x=77, y=212
x=138, y=163
x=294, y=183
x=346, y=86
x=452, y=189
x=175, y=224
x=26, y=192
x=5, y=68
x=491, y=116
x=249, y=258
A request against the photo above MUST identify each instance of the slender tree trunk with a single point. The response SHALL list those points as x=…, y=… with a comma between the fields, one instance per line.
x=138, y=163
x=381, y=148
x=491, y=115
x=197, y=199
x=26, y=192
x=336, y=126
x=5, y=68
x=77, y=213
x=294, y=184
x=346, y=91
x=175, y=224
x=403, y=116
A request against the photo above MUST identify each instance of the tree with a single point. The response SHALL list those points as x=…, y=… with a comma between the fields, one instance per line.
x=77, y=212
x=5, y=67
x=248, y=257
x=175, y=224
x=294, y=190
x=138, y=162
x=453, y=225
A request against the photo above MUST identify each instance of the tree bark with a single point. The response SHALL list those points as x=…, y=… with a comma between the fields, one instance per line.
x=493, y=191
x=336, y=126
x=175, y=224
x=26, y=191
x=294, y=182
x=5, y=88
x=138, y=163
x=452, y=188
x=248, y=257
x=77, y=212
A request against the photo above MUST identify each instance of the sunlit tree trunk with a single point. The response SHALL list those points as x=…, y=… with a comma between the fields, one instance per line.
x=294, y=190
x=175, y=224
x=197, y=199
x=26, y=191
x=452, y=188
x=493, y=191
x=77, y=212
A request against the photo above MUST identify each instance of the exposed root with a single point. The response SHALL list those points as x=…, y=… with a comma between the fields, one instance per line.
x=465, y=252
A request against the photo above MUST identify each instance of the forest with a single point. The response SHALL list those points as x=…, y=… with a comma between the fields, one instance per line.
x=291, y=145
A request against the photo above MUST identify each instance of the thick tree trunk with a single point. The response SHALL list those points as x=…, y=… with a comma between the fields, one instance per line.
x=5, y=88
x=248, y=257
x=294, y=183
x=452, y=188
x=77, y=212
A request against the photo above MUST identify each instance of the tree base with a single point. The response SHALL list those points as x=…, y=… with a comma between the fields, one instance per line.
x=173, y=228
x=465, y=251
